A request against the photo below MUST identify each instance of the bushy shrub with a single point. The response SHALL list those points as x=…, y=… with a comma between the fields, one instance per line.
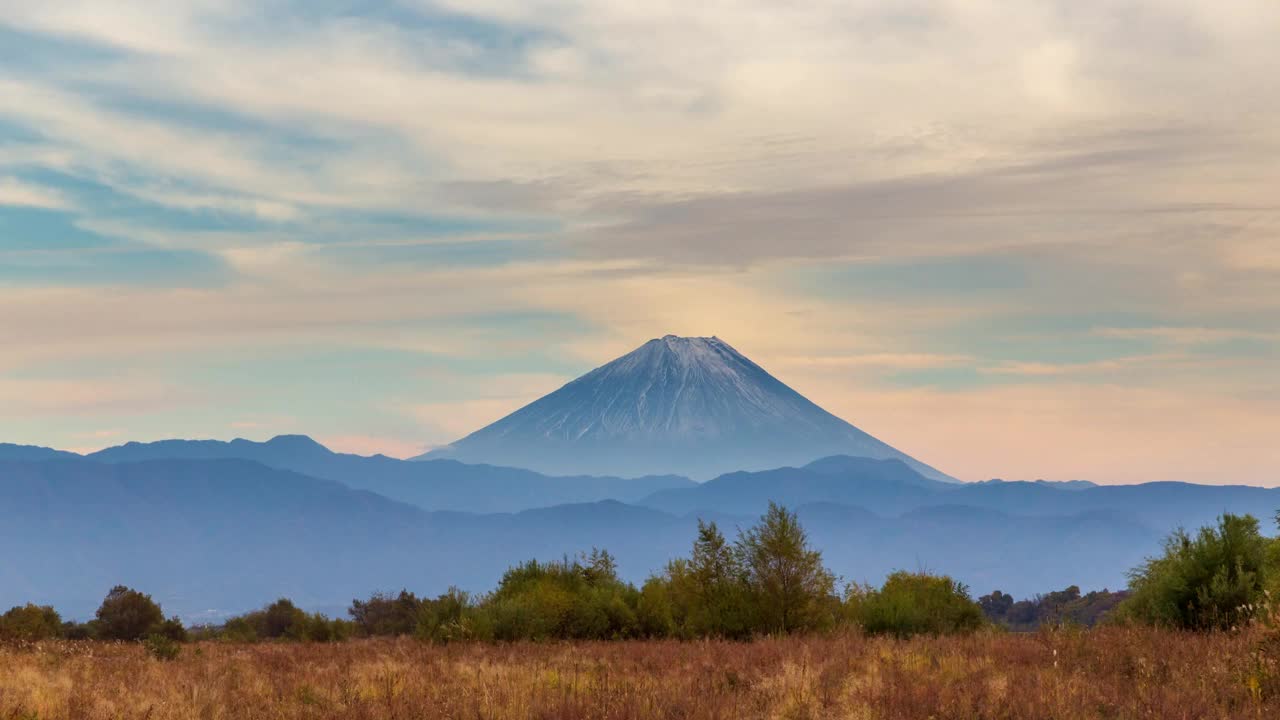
x=126, y=614
x=72, y=630
x=384, y=614
x=571, y=599
x=162, y=647
x=30, y=622
x=914, y=603
x=1214, y=579
x=1060, y=607
x=282, y=620
x=449, y=617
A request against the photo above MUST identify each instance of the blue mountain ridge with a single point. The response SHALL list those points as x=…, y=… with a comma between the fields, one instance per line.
x=214, y=535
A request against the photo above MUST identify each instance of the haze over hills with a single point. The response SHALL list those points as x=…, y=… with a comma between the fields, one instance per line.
x=215, y=536
x=9, y=451
x=889, y=488
x=690, y=406
x=213, y=527
x=432, y=485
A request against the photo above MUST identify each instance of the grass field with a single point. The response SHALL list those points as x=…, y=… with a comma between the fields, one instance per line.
x=1107, y=673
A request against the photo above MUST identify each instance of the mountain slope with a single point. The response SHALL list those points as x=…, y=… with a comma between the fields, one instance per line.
x=688, y=406
x=433, y=485
x=9, y=451
x=882, y=486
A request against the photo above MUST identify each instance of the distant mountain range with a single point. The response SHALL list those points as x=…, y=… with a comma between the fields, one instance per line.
x=434, y=484
x=212, y=528
x=689, y=406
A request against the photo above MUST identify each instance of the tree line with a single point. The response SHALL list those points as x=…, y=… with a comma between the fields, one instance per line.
x=768, y=580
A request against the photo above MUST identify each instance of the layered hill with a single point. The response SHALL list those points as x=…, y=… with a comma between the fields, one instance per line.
x=212, y=528
x=690, y=406
x=432, y=485
x=214, y=536
x=891, y=488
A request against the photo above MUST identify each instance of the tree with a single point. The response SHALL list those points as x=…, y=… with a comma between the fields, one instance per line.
x=30, y=622
x=1067, y=606
x=997, y=605
x=916, y=603
x=282, y=618
x=384, y=614
x=1214, y=579
x=126, y=614
x=785, y=576
x=448, y=617
x=598, y=567
x=716, y=582
x=579, y=598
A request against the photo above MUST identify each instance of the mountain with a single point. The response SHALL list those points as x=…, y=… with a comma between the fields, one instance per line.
x=985, y=549
x=882, y=486
x=210, y=537
x=431, y=485
x=890, y=488
x=1063, y=484
x=9, y=451
x=294, y=452
x=688, y=406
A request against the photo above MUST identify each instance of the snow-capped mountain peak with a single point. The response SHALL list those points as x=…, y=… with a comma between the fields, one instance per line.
x=687, y=405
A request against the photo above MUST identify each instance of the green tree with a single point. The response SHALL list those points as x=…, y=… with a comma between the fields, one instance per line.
x=283, y=619
x=656, y=610
x=30, y=622
x=1211, y=580
x=126, y=614
x=785, y=576
x=915, y=603
x=715, y=588
x=448, y=617
x=580, y=598
x=384, y=614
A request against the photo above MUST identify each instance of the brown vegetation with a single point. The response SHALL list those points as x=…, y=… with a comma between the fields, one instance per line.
x=1120, y=672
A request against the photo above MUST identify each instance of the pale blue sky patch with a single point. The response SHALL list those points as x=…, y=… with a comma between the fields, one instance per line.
x=37, y=229
x=114, y=267
x=33, y=52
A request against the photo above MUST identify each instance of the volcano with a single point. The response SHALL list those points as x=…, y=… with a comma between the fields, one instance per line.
x=692, y=406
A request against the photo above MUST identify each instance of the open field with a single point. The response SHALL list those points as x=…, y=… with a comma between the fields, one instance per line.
x=1108, y=673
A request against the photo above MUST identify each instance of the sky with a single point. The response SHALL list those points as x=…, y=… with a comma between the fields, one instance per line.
x=1022, y=240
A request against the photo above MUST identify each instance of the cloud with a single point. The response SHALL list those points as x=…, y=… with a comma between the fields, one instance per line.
x=15, y=193
x=860, y=195
x=910, y=361
x=23, y=398
x=1189, y=335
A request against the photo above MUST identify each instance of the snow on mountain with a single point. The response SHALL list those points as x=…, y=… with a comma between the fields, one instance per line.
x=684, y=405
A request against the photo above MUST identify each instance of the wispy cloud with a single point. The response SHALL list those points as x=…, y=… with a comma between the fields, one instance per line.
x=15, y=193
x=861, y=195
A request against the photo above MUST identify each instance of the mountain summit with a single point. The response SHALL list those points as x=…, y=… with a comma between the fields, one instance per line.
x=687, y=405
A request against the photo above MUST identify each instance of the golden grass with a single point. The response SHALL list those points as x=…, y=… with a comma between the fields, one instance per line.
x=1107, y=673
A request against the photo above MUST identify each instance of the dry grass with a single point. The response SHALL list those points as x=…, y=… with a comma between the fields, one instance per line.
x=1111, y=673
